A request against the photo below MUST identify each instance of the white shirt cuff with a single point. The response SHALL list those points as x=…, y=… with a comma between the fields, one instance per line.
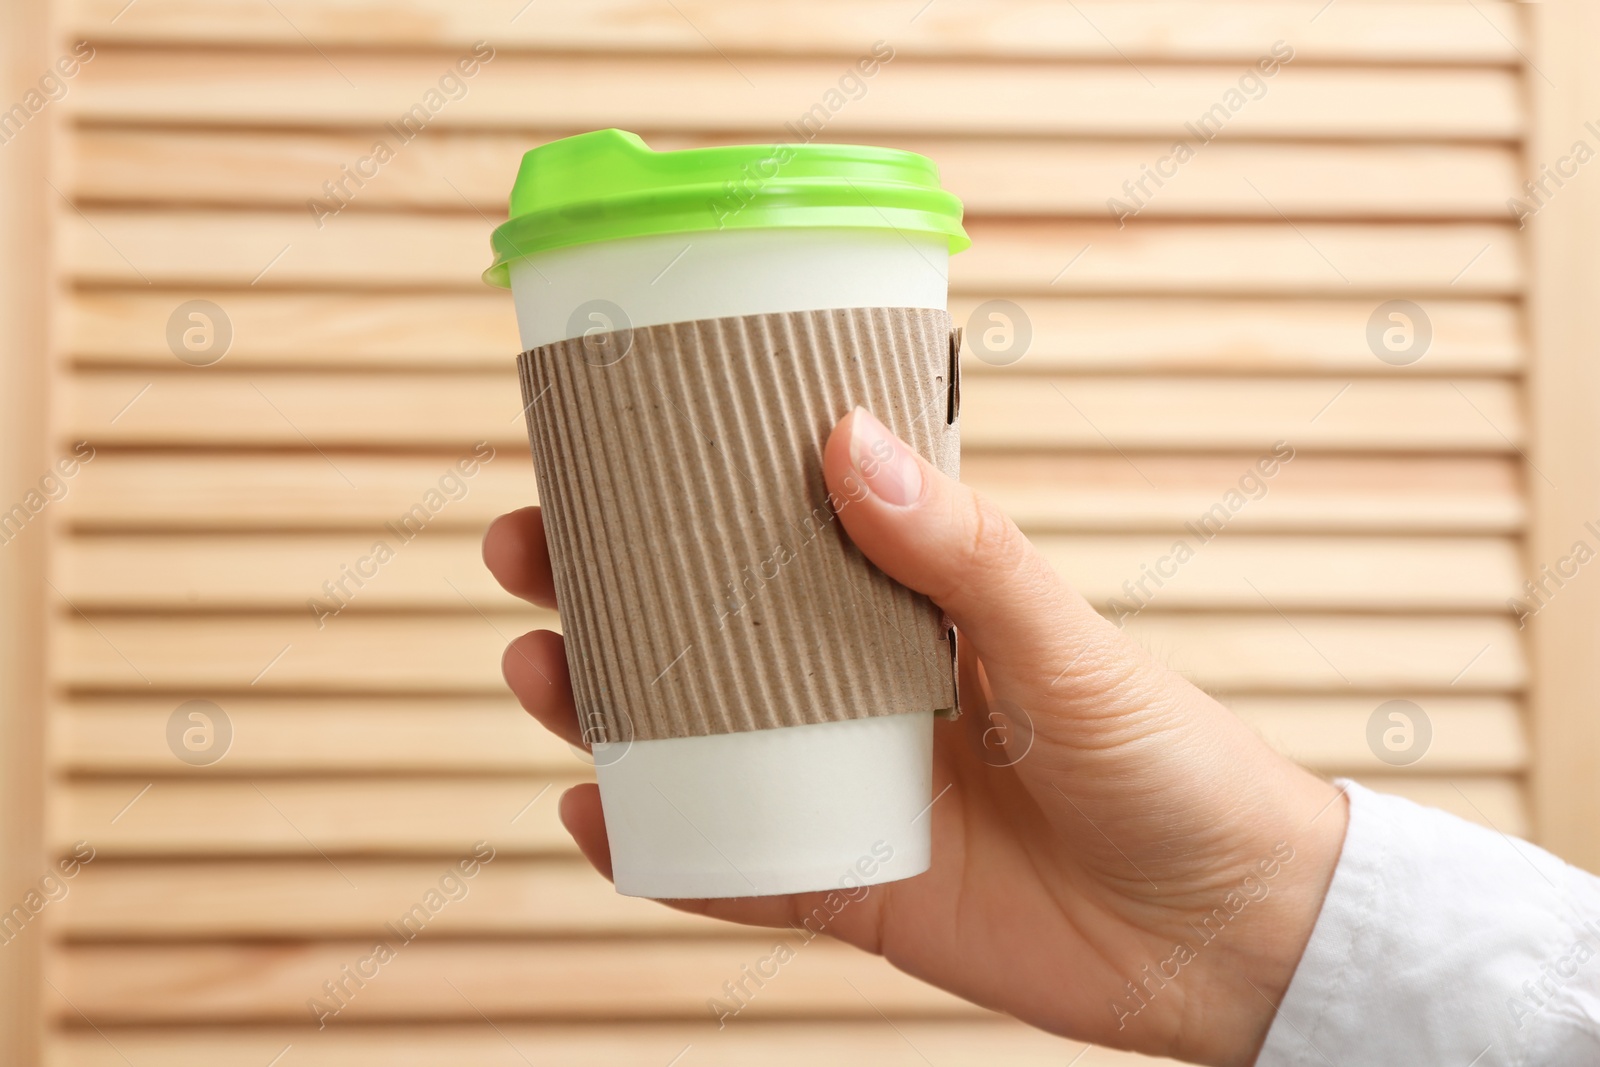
x=1444, y=943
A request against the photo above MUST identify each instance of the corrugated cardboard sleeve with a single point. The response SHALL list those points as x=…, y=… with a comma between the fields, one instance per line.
x=704, y=580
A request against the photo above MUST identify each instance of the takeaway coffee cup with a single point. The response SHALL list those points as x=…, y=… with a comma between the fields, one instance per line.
x=759, y=698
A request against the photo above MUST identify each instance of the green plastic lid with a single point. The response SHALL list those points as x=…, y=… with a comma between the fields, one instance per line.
x=609, y=184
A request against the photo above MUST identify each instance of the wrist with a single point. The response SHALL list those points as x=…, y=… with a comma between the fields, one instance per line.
x=1301, y=844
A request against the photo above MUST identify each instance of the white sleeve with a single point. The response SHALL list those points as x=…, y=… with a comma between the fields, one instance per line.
x=1444, y=943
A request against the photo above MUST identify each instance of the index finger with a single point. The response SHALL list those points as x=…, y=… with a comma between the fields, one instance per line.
x=517, y=554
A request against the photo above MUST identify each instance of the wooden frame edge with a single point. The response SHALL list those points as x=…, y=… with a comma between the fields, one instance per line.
x=27, y=293
x=1564, y=409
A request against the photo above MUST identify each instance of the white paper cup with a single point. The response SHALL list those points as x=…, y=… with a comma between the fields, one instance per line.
x=836, y=804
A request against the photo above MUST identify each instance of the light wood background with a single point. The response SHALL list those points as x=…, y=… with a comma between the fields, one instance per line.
x=367, y=357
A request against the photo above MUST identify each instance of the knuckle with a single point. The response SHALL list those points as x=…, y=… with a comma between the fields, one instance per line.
x=990, y=548
x=993, y=542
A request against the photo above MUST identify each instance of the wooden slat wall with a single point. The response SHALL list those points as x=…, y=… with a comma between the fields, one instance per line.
x=367, y=357
x=26, y=291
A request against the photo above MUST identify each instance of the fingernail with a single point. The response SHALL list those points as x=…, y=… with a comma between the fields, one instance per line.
x=889, y=471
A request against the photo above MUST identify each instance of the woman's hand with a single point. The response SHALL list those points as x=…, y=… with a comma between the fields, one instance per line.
x=1144, y=875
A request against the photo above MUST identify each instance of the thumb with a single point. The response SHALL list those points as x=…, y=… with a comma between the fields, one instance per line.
x=944, y=540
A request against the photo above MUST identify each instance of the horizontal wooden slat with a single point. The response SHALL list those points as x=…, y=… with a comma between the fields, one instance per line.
x=1229, y=258
x=352, y=654
x=1410, y=32
x=206, y=655
x=501, y=979
x=433, y=411
x=1217, y=414
x=476, y=331
x=369, y=249
x=306, y=898
x=1162, y=492
x=1471, y=735
x=244, y=491
x=282, y=572
x=909, y=1043
x=127, y=736
x=998, y=411
x=1238, y=336
x=1043, y=492
x=1351, y=574
x=348, y=87
x=469, y=172
x=1303, y=653
x=485, y=734
x=1500, y=803
x=469, y=330
x=308, y=817
x=444, y=818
